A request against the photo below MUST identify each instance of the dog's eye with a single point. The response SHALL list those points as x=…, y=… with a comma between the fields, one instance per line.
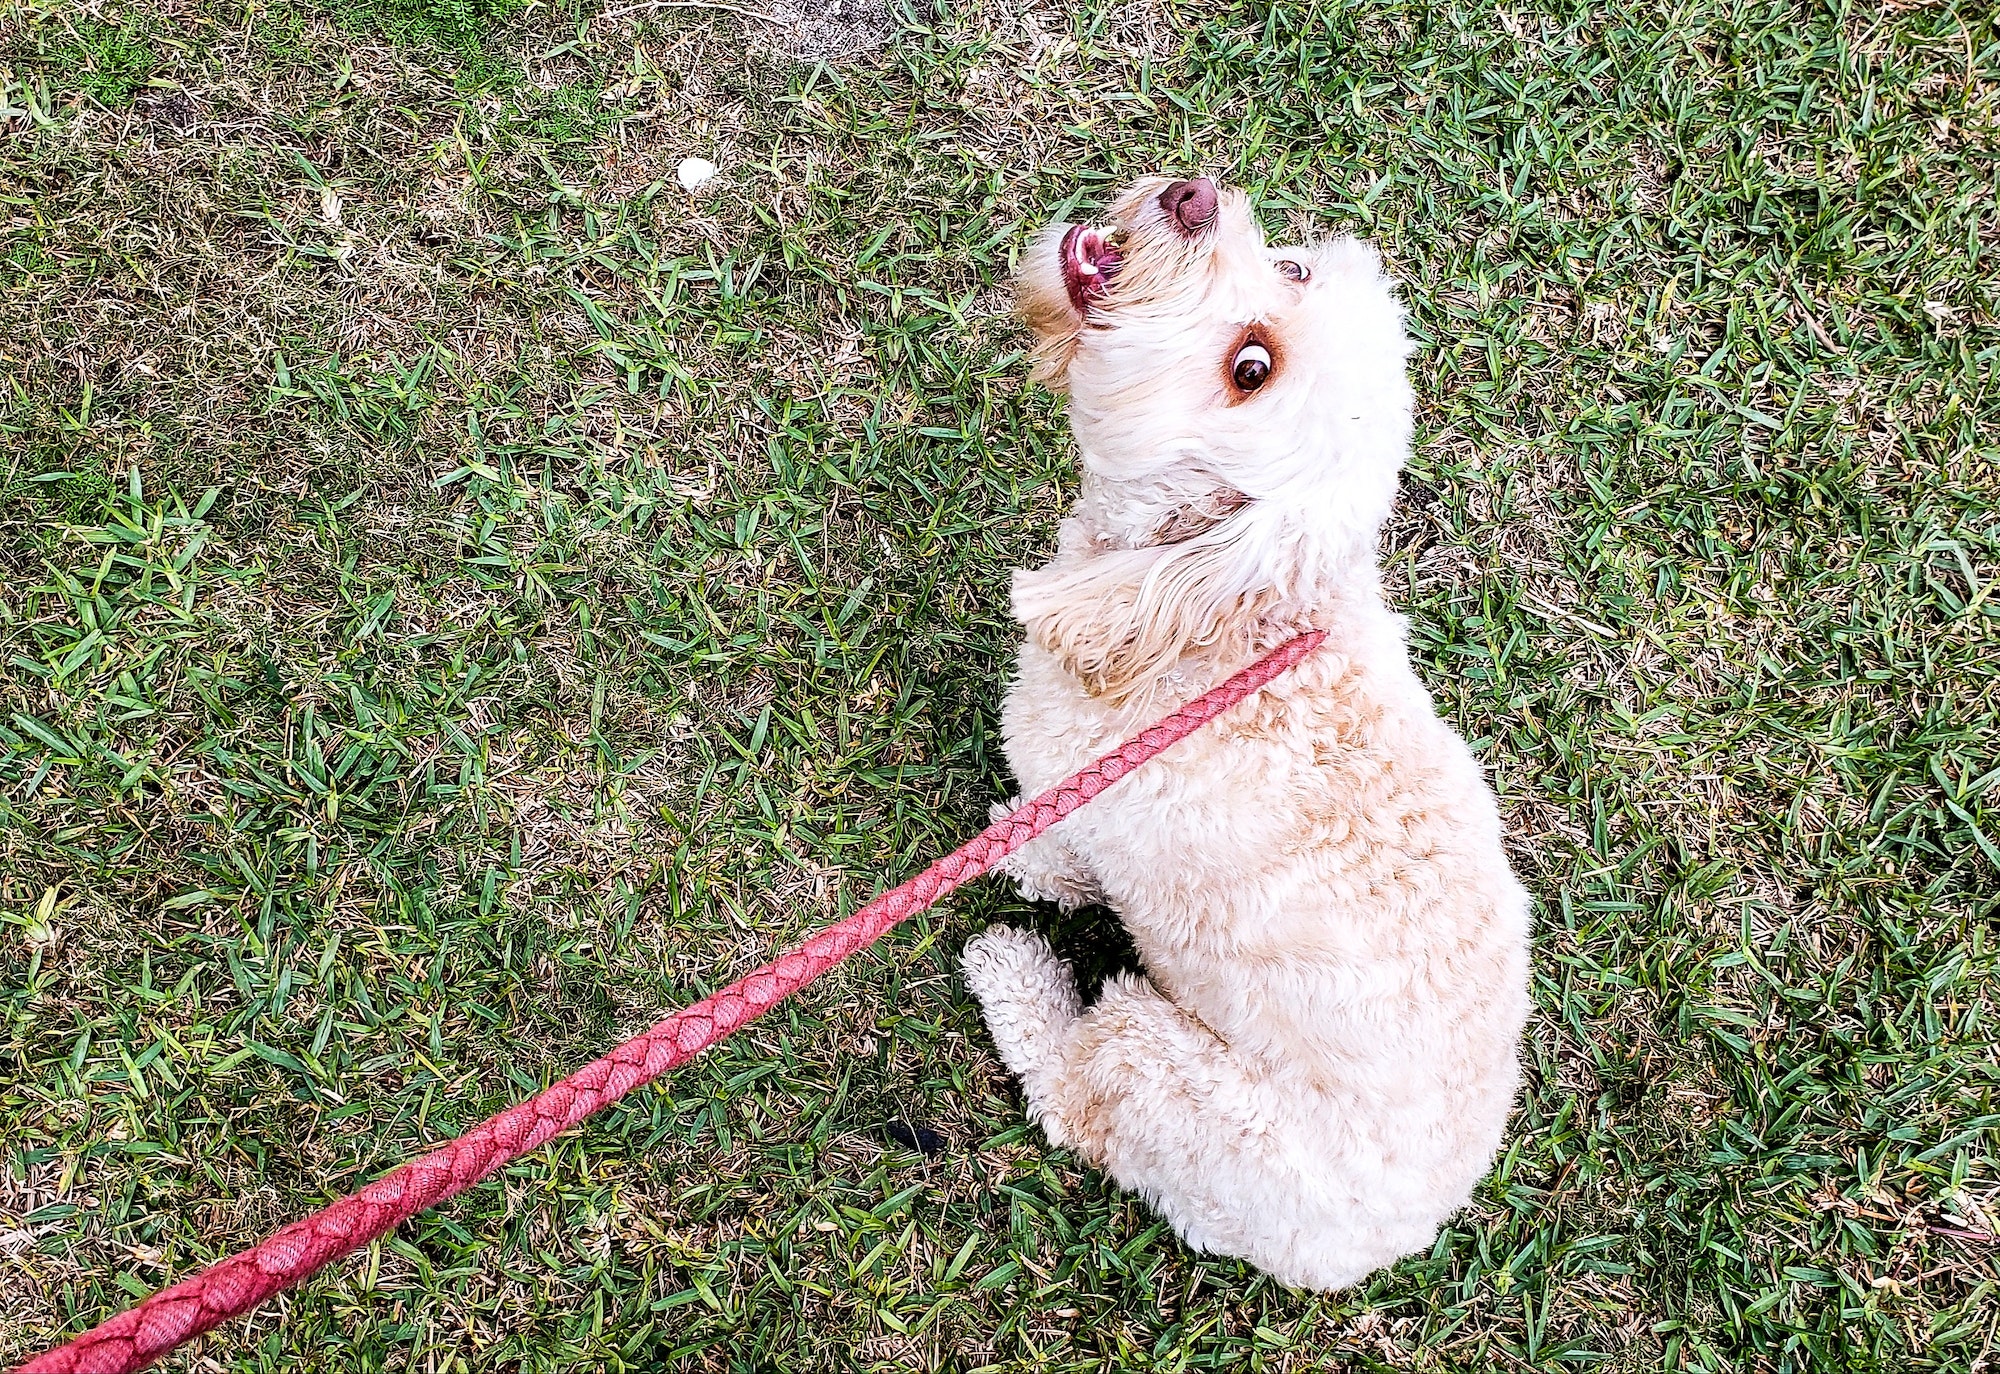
x=1295, y=270
x=1251, y=367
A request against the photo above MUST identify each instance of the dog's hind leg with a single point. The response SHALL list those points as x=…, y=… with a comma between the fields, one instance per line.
x=1153, y=1097
x=1030, y=1000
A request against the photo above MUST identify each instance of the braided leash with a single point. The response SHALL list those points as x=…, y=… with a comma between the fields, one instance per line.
x=136, y=1338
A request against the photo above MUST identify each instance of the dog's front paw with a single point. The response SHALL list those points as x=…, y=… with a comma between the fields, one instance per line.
x=1065, y=890
x=1047, y=870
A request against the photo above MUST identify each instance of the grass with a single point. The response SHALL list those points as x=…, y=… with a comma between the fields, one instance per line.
x=463, y=596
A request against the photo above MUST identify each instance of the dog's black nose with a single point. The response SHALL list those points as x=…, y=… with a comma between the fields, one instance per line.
x=1190, y=205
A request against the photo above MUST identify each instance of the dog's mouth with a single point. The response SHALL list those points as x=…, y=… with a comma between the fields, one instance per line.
x=1090, y=259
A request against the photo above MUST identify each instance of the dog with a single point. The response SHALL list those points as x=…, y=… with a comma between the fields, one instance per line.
x=1318, y=1065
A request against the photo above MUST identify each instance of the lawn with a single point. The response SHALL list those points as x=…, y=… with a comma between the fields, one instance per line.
x=462, y=594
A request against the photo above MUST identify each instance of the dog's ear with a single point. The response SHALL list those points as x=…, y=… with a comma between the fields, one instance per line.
x=1055, y=328
x=1041, y=300
x=1119, y=620
x=1049, y=359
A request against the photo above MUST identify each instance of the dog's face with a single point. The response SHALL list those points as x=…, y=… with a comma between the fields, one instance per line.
x=1243, y=409
x=1186, y=341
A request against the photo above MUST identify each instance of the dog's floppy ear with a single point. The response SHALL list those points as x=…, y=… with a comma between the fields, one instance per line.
x=1055, y=328
x=1041, y=299
x=1120, y=619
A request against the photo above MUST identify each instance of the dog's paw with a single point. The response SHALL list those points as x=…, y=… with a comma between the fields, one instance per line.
x=1045, y=870
x=1029, y=996
x=1008, y=964
x=1067, y=892
x=1030, y=1000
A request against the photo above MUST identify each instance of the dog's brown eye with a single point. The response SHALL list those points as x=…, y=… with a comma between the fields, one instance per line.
x=1251, y=367
x=1295, y=270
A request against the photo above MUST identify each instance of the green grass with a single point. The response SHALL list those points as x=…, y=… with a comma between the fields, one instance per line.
x=110, y=62
x=460, y=597
x=463, y=25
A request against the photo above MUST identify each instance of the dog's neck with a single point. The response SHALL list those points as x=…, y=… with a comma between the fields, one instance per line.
x=1151, y=580
x=1162, y=511
x=1111, y=514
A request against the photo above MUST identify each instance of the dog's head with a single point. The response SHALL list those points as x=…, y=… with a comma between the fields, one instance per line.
x=1247, y=403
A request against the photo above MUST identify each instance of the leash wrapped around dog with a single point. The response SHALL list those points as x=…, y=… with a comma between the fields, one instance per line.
x=172, y=1316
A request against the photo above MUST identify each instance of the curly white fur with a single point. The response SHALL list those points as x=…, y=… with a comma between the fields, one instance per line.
x=1319, y=1064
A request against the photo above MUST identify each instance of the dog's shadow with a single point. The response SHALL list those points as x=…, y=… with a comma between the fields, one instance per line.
x=1092, y=940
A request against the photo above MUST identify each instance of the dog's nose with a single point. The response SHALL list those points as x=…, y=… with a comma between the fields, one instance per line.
x=1190, y=205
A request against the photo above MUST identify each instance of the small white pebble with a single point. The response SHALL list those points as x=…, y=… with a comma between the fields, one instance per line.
x=694, y=171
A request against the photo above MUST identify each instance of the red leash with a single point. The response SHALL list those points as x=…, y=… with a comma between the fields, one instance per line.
x=136, y=1338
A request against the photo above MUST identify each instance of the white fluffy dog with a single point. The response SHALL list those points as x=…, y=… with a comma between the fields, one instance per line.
x=1320, y=1062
